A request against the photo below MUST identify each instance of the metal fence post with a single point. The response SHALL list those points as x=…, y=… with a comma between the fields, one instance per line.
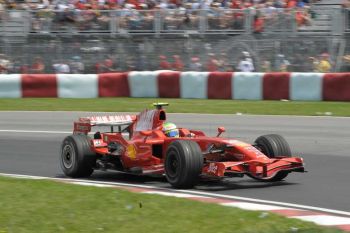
x=294, y=24
x=203, y=21
x=337, y=22
x=346, y=19
x=2, y=25
x=157, y=23
x=248, y=21
x=113, y=23
x=339, y=56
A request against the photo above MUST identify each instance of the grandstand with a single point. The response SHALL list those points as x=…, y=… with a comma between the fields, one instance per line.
x=106, y=38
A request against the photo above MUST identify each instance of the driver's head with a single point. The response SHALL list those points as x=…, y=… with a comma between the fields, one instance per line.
x=170, y=130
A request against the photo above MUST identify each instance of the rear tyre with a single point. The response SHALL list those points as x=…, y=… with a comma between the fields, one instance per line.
x=183, y=164
x=77, y=159
x=273, y=145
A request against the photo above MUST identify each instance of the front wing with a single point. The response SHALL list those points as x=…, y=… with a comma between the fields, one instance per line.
x=256, y=168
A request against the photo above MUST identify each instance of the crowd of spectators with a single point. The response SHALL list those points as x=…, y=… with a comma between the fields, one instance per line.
x=212, y=63
x=62, y=5
x=80, y=15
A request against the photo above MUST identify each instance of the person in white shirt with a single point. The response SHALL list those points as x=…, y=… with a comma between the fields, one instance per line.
x=195, y=64
x=61, y=68
x=5, y=64
x=246, y=64
x=76, y=66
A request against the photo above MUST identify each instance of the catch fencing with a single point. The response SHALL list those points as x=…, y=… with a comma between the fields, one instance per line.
x=142, y=54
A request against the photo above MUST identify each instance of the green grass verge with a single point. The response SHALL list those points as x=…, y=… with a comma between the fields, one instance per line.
x=179, y=105
x=46, y=206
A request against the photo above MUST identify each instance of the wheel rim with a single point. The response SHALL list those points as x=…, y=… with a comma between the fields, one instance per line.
x=172, y=165
x=68, y=156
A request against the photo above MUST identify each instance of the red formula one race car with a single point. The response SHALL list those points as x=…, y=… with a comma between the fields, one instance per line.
x=140, y=144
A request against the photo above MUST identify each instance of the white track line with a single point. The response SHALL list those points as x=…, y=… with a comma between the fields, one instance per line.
x=315, y=217
x=95, y=185
x=325, y=220
x=205, y=194
x=184, y=195
x=254, y=206
x=286, y=204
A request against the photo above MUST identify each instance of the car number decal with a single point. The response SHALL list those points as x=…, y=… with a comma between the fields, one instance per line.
x=212, y=168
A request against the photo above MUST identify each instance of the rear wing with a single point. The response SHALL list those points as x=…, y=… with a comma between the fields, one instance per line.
x=84, y=124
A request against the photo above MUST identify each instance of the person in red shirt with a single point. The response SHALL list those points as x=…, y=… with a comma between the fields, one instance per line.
x=178, y=64
x=98, y=68
x=38, y=67
x=164, y=64
x=236, y=4
x=258, y=23
x=291, y=4
x=303, y=17
x=212, y=64
x=108, y=65
x=238, y=16
x=80, y=5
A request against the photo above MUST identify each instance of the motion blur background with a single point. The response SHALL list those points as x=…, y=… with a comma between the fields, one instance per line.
x=97, y=36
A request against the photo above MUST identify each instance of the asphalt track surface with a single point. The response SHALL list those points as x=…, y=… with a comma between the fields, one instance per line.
x=30, y=143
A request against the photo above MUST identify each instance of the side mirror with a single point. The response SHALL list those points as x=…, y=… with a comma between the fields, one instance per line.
x=221, y=130
x=146, y=133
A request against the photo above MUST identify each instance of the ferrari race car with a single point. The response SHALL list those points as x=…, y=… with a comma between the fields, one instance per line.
x=137, y=144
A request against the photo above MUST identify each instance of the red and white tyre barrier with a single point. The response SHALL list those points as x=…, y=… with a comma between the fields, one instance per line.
x=171, y=84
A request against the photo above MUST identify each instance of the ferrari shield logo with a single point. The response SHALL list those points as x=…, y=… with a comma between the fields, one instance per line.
x=131, y=151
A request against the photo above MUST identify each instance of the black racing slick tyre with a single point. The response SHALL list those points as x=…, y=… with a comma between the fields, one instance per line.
x=183, y=164
x=273, y=145
x=77, y=159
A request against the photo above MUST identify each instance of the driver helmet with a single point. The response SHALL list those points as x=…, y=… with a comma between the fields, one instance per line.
x=170, y=130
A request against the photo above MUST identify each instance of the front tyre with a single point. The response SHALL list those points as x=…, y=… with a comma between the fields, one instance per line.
x=273, y=145
x=183, y=164
x=77, y=159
